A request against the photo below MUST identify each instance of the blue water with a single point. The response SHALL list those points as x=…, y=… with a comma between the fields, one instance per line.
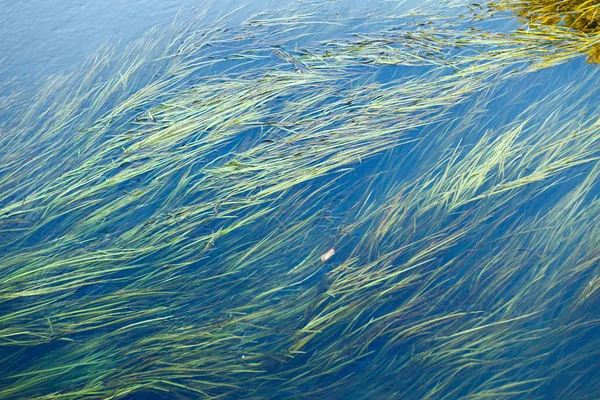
x=42, y=37
x=39, y=40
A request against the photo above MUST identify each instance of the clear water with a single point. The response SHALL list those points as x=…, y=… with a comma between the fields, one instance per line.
x=144, y=259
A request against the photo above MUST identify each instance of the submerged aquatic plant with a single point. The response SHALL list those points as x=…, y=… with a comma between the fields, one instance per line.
x=555, y=18
x=164, y=225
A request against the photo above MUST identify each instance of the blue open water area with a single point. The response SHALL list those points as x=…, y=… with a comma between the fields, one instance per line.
x=300, y=200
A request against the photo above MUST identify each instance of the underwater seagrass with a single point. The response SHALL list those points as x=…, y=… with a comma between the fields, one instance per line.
x=164, y=211
x=578, y=17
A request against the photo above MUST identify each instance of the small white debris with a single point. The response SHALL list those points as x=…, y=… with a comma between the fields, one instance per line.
x=326, y=256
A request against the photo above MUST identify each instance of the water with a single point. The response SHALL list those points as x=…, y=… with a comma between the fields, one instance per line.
x=165, y=203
